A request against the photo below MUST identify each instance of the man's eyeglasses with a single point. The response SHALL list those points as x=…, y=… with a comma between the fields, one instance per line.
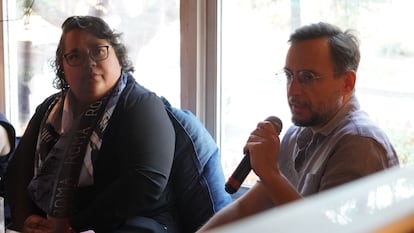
x=305, y=77
x=98, y=53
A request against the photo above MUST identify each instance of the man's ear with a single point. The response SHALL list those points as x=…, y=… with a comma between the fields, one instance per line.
x=349, y=81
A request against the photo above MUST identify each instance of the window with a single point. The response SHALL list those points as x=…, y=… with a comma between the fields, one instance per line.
x=150, y=30
x=254, y=43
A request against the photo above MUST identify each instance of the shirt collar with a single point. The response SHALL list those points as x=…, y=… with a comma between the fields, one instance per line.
x=351, y=106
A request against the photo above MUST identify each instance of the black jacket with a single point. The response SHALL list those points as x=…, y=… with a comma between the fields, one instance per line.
x=131, y=170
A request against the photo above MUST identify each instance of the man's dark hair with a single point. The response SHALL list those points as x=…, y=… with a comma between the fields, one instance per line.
x=97, y=27
x=344, y=46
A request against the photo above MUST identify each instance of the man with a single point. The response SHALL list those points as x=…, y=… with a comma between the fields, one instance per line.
x=332, y=141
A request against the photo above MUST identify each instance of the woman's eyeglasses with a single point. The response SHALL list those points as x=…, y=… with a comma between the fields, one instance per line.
x=98, y=53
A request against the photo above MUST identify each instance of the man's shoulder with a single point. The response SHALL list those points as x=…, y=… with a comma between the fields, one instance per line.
x=359, y=123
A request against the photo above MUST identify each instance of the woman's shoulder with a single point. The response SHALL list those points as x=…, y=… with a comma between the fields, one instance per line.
x=134, y=92
x=43, y=106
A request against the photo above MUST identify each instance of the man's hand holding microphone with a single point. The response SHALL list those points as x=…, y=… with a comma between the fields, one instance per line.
x=261, y=155
x=264, y=143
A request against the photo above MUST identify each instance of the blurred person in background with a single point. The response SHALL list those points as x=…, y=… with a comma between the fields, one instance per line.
x=7, y=137
x=7, y=144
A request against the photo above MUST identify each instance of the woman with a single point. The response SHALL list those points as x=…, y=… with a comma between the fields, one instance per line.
x=98, y=154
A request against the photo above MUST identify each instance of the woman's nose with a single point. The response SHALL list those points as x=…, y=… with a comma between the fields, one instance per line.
x=91, y=61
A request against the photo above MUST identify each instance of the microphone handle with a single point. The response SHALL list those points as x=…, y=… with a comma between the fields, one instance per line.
x=236, y=179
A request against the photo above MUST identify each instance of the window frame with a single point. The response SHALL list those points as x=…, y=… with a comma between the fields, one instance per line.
x=199, y=61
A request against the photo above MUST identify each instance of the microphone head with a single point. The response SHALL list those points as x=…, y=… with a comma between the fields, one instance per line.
x=276, y=122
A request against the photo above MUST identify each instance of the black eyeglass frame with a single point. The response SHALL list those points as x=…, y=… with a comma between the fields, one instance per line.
x=92, y=53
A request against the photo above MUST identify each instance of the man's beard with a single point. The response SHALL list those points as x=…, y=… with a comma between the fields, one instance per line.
x=320, y=114
x=313, y=121
x=316, y=119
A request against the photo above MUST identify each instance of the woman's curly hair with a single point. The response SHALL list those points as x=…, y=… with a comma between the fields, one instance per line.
x=99, y=28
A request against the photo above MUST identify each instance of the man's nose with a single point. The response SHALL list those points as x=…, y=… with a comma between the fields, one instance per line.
x=294, y=87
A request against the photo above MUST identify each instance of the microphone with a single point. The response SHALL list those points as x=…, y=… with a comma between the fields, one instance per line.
x=244, y=167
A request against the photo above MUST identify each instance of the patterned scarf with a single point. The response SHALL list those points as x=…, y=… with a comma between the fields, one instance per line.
x=59, y=158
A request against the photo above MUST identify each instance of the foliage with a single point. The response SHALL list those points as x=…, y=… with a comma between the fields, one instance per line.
x=403, y=141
